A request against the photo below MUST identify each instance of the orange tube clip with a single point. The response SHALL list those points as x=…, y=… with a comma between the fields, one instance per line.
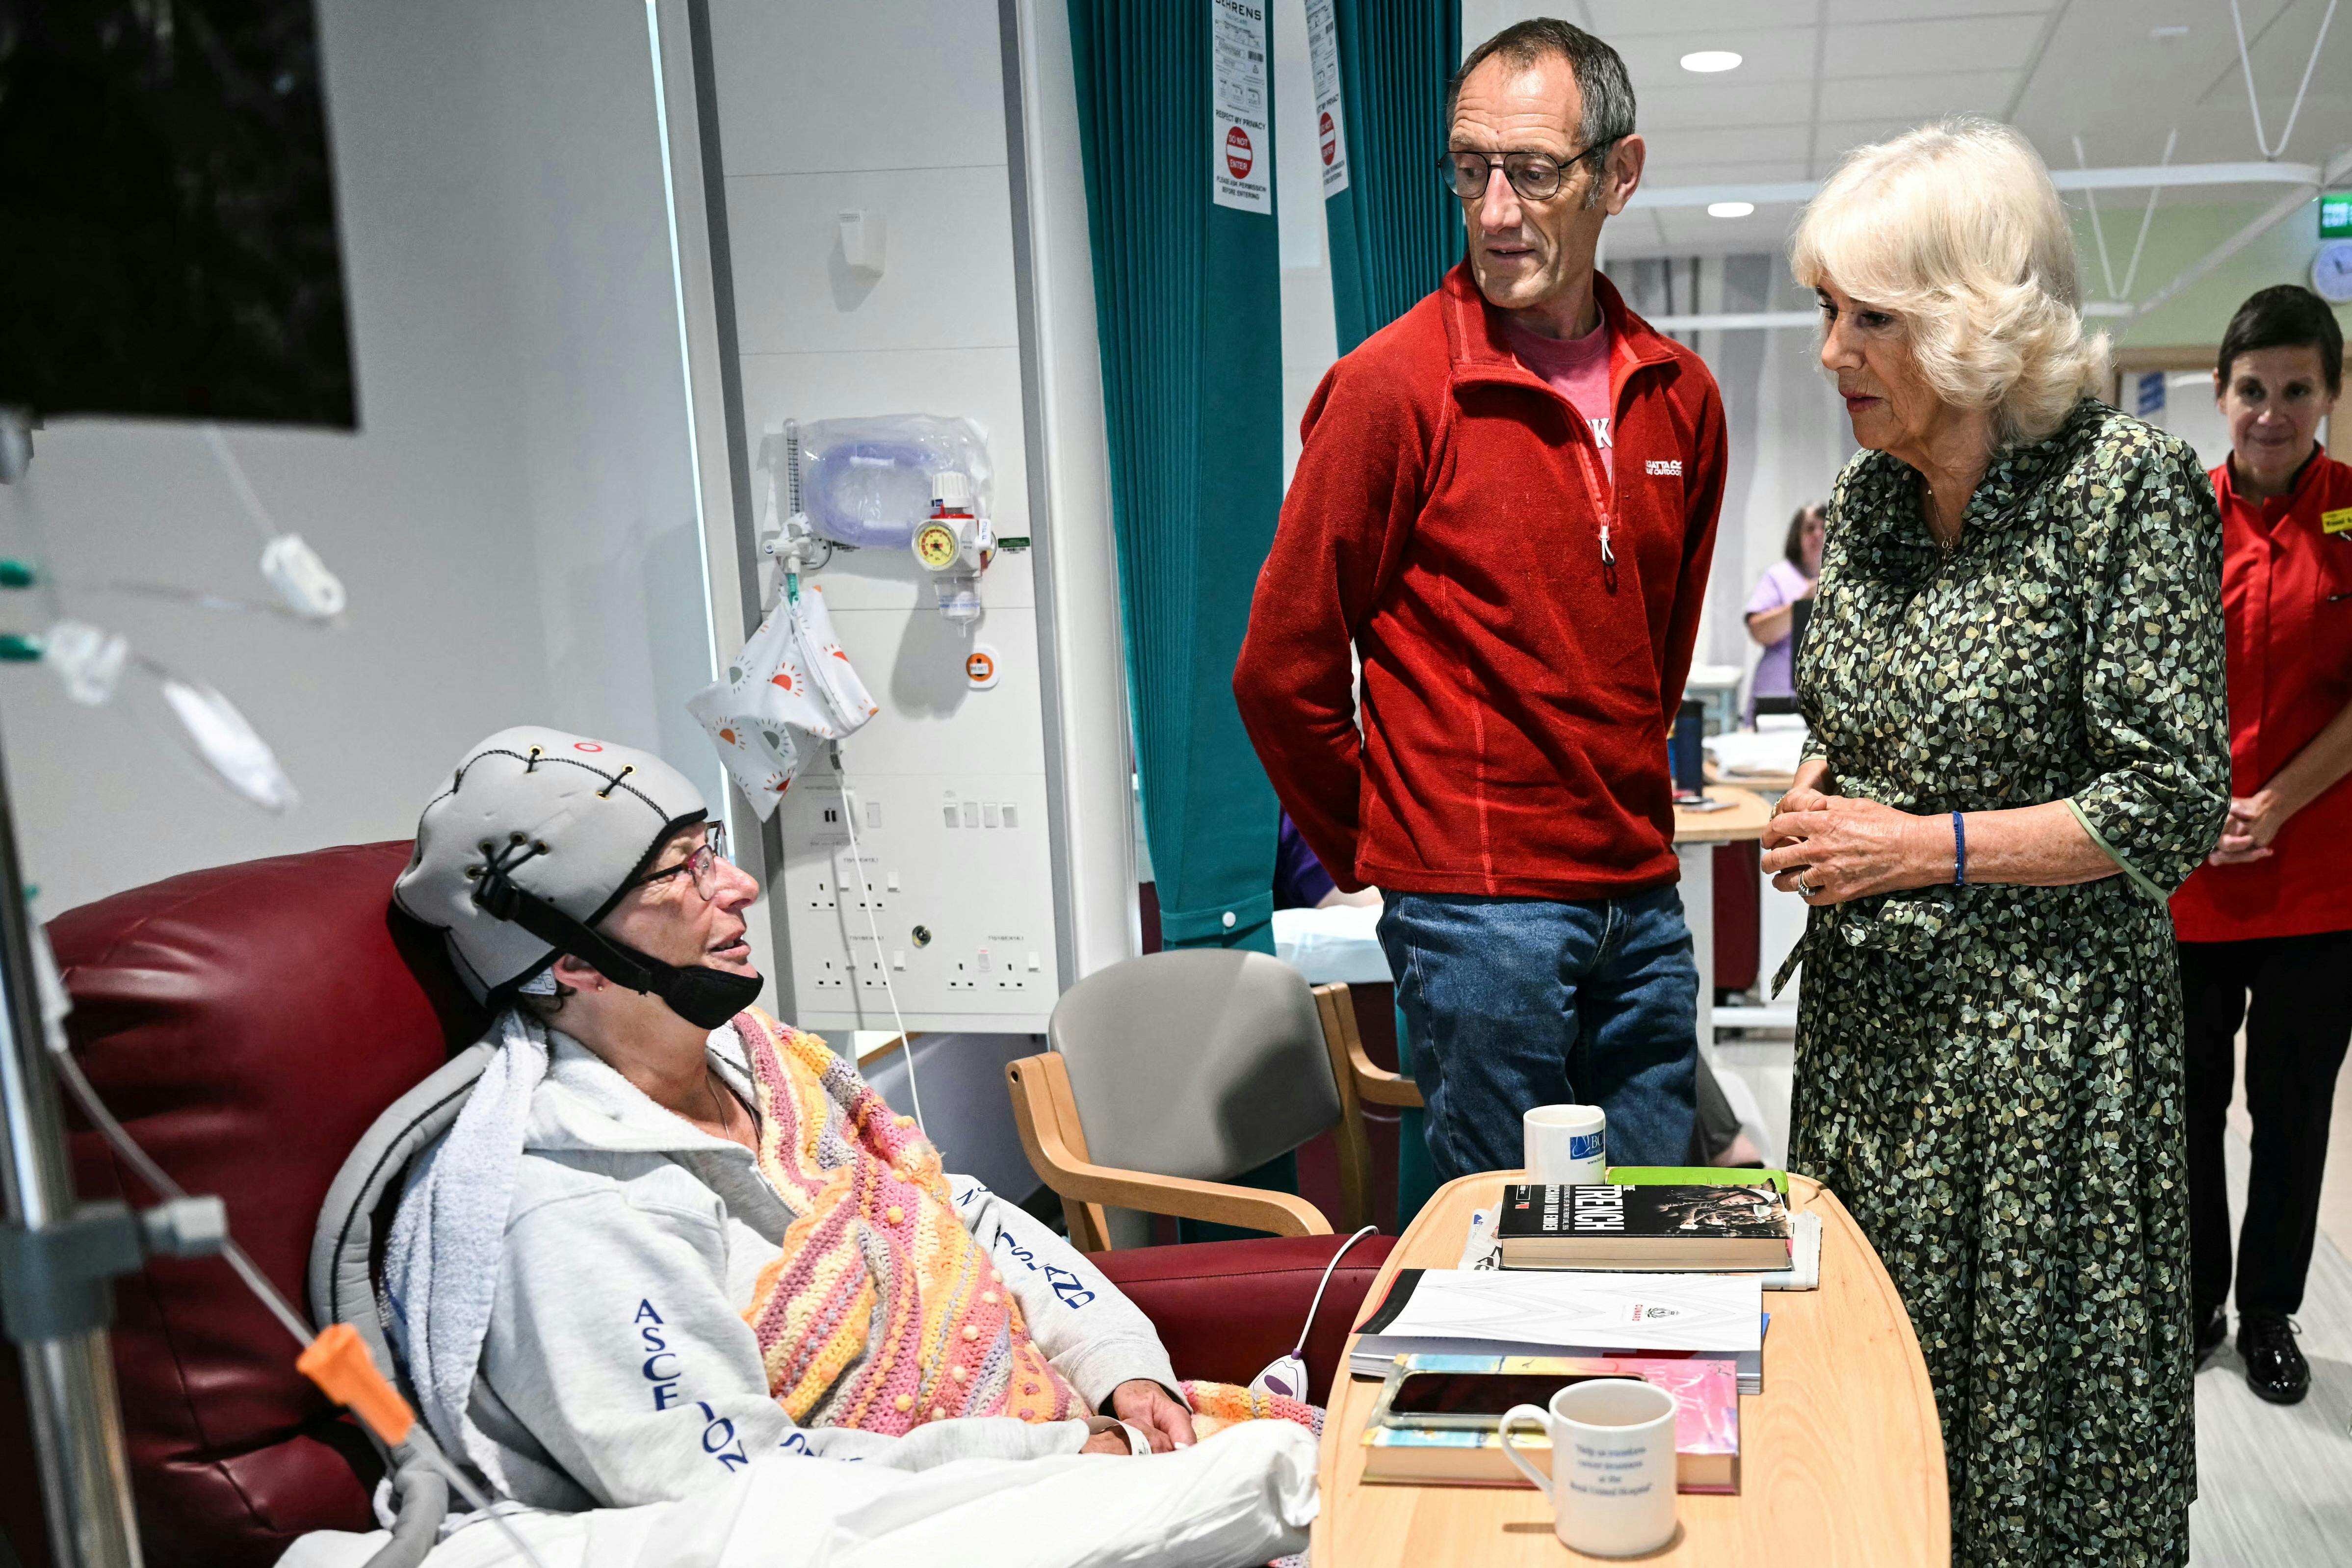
x=338, y=1363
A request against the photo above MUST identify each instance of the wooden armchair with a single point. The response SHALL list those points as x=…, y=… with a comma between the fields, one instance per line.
x=1189, y=1067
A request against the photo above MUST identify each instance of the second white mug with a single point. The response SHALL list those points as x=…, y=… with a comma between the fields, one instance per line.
x=1566, y=1145
x=1612, y=1484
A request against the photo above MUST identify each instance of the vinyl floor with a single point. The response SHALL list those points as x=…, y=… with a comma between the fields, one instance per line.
x=2274, y=1484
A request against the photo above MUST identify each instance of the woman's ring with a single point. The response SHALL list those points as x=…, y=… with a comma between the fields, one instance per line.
x=1805, y=889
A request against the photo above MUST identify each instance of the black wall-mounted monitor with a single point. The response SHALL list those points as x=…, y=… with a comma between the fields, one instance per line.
x=167, y=214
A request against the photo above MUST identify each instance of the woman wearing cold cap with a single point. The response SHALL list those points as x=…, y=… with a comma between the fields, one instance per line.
x=670, y=1246
x=2265, y=925
x=2014, y=683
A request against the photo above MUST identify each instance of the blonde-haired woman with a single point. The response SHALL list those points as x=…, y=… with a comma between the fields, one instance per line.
x=2019, y=747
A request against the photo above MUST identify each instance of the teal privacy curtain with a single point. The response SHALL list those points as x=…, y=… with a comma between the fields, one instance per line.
x=1393, y=229
x=1175, y=122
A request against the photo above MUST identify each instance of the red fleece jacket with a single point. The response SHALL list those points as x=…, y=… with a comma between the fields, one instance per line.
x=1448, y=519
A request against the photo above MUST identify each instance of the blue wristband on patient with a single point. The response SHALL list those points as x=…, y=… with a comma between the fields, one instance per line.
x=1960, y=852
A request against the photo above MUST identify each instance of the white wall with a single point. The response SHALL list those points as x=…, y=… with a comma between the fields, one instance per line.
x=514, y=517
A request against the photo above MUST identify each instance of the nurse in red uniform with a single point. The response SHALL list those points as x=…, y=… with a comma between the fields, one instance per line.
x=2265, y=926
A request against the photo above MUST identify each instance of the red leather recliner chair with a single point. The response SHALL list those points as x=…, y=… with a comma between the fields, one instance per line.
x=248, y=1024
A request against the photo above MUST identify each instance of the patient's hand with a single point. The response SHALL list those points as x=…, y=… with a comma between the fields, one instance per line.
x=1111, y=1442
x=1144, y=1404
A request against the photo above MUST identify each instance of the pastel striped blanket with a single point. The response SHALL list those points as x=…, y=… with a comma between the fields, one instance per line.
x=879, y=1242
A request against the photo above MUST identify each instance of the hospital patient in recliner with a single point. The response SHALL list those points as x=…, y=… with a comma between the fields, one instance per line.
x=679, y=1279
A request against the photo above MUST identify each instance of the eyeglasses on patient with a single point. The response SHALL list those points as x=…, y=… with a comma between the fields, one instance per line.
x=702, y=863
x=1537, y=176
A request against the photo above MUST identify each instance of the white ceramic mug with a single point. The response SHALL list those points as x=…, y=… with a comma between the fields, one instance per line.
x=1566, y=1145
x=1612, y=1484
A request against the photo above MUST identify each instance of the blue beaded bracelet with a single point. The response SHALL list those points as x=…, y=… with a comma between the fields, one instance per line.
x=1960, y=852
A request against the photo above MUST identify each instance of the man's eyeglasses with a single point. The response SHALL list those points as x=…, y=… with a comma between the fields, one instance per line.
x=1537, y=176
x=701, y=864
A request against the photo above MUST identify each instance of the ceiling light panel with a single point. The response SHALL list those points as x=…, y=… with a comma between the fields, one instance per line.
x=1707, y=62
x=1784, y=57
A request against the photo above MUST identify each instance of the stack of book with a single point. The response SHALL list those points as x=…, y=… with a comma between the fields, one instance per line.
x=1439, y=1418
x=1636, y=1228
x=1477, y=1313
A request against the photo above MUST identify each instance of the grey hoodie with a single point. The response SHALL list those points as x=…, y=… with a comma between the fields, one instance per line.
x=618, y=1369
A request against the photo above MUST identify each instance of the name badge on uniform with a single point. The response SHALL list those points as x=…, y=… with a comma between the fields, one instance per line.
x=2337, y=521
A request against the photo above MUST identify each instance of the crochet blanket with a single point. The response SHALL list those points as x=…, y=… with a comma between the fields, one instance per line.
x=879, y=1245
x=883, y=1312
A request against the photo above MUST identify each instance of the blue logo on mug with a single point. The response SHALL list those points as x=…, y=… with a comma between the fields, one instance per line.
x=1585, y=1146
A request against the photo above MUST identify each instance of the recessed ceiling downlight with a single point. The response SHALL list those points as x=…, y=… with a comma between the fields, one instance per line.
x=1729, y=209
x=1707, y=60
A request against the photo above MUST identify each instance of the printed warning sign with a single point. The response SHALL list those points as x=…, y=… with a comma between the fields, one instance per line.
x=1241, y=161
x=1330, y=120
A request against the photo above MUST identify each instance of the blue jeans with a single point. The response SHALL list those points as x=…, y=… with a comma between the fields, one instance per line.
x=1516, y=1003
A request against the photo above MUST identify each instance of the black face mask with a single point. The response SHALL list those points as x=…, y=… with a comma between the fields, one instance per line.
x=703, y=997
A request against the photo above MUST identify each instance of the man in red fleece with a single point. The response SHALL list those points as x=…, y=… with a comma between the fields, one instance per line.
x=1507, y=506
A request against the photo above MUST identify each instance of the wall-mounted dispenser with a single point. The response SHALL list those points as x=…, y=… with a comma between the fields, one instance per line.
x=865, y=236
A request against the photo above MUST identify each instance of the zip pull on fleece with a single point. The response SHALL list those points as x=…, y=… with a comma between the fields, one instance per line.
x=1608, y=556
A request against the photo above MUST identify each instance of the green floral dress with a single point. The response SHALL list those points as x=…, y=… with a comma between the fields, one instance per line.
x=1989, y=1076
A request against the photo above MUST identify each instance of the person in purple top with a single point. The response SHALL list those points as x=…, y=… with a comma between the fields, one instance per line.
x=1771, y=609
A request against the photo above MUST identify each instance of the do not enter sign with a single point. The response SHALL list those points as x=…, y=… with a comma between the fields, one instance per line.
x=1331, y=134
x=1238, y=156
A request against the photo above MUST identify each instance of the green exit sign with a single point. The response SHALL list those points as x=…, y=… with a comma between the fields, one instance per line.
x=2336, y=216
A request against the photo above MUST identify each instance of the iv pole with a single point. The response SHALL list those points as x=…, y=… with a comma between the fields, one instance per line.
x=69, y=1392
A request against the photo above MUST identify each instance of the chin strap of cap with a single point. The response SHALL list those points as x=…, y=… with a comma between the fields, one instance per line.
x=703, y=997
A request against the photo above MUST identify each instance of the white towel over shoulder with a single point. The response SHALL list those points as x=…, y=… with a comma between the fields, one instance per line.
x=441, y=1260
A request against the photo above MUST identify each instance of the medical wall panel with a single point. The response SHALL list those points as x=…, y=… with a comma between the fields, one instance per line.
x=948, y=893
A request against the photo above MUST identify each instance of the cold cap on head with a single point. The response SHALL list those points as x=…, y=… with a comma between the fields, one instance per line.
x=574, y=819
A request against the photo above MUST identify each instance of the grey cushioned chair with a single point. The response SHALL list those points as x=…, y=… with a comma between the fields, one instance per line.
x=1174, y=1072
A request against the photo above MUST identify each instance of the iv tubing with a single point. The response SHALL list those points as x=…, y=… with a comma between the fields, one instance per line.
x=849, y=815
x=417, y=1446
x=254, y=509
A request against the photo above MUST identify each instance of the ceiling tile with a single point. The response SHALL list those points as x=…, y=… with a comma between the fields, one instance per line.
x=1675, y=106
x=1618, y=19
x=1846, y=11
x=2105, y=77
x=1669, y=150
x=1896, y=48
x=1921, y=97
x=1726, y=172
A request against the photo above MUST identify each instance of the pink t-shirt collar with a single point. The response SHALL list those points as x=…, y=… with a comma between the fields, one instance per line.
x=1576, y=368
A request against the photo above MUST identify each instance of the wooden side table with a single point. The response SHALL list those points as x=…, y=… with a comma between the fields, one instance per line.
x=1841, y=1465
x=1743, y=816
